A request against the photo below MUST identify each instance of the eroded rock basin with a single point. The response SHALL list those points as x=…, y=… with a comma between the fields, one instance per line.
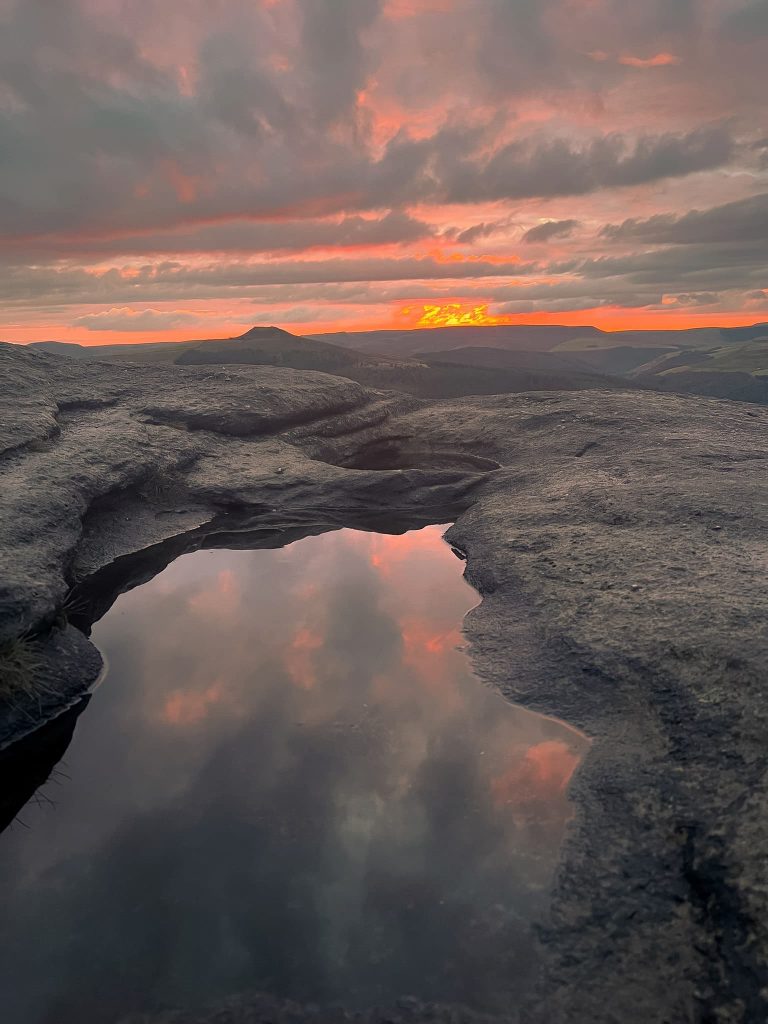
x=290, y=786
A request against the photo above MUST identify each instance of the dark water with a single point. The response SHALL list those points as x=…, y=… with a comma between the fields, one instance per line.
x=289, y=782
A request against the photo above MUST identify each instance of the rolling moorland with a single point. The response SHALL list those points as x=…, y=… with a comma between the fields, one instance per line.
x=717, y=362
x=454, y=361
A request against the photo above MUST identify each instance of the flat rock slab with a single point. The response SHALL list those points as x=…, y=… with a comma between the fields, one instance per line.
x=617, y=540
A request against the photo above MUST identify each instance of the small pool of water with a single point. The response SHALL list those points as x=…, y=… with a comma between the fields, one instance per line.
x=290, y=782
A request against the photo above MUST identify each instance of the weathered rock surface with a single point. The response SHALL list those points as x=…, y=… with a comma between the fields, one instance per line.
x=620, y=552
x=258, y=1008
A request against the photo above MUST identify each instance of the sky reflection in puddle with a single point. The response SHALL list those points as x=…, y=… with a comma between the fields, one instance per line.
x=289, y=782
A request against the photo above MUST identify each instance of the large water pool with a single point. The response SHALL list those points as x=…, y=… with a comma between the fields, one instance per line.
x=289, y=782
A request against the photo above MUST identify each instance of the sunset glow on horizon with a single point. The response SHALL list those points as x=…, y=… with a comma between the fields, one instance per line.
x=187, y=173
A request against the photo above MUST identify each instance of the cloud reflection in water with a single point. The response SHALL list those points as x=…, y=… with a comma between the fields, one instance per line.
x=291, y=782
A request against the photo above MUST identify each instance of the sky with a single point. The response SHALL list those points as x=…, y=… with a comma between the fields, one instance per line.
x=191, y=168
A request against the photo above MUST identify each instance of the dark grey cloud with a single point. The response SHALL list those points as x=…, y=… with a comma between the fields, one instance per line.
x=550, y=229
x=748, y=21
x=689, y=268
x=233, y=236
x=333, y=53
x=135, y=129
x=696, y=298
x=559, y=168
x=237, y=92
x=135, y=320
x=518, y=49
x=164, y=281
x=743, y=221
x=633, y=279
x=693, y=275
x=485, y=229
x=97, y=135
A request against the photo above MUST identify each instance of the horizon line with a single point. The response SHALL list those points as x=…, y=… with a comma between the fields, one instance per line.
x=395, y=330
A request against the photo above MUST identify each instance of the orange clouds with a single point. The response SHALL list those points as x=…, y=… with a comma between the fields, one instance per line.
x=186, y=187
x=430, y=626
x=607, y=318
x=423, y=645
x=184, y=146
x=397, y=10
x=299, y=649
x=220, y=601
x=185, y=708
x=299, y=656
x=386, y=553
x=220, y=322
x=661, y=60
x=542, y=774
x=441, y=256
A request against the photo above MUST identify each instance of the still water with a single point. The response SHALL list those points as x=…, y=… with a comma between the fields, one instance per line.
x=289, y=782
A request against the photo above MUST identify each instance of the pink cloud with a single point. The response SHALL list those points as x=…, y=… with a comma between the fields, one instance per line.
x=190, y=707
x=660, y=60
x=182, y=160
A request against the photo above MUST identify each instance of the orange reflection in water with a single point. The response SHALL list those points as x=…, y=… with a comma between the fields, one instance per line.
x=220, y=599
x=190, y=707
x=542, y=773
x=289, y=752
x=298, y=657
x=358, y=624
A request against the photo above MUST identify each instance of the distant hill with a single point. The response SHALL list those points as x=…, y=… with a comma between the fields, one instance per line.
x=259, y=345
x=474, y=371
x=61, y=348
x=727, y=362
x=435, y=339
x=537, y=338
x=738, y=370
x=150, y=352
x=452, y=361
x=739, y=387
x=506, y=359
x=276, y=347
x=492, y=370
x=622, y=359
x=738, y=356
x=453, y=380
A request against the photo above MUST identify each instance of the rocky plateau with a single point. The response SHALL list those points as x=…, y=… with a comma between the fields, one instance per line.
x=616, y=538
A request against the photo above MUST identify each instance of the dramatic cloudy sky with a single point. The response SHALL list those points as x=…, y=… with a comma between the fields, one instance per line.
x=191, y=167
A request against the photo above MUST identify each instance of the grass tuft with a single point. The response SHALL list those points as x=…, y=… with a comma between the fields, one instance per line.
x=20, y=666
x=157, y=485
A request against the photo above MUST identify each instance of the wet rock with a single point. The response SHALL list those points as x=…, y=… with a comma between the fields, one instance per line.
x=660, y=912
